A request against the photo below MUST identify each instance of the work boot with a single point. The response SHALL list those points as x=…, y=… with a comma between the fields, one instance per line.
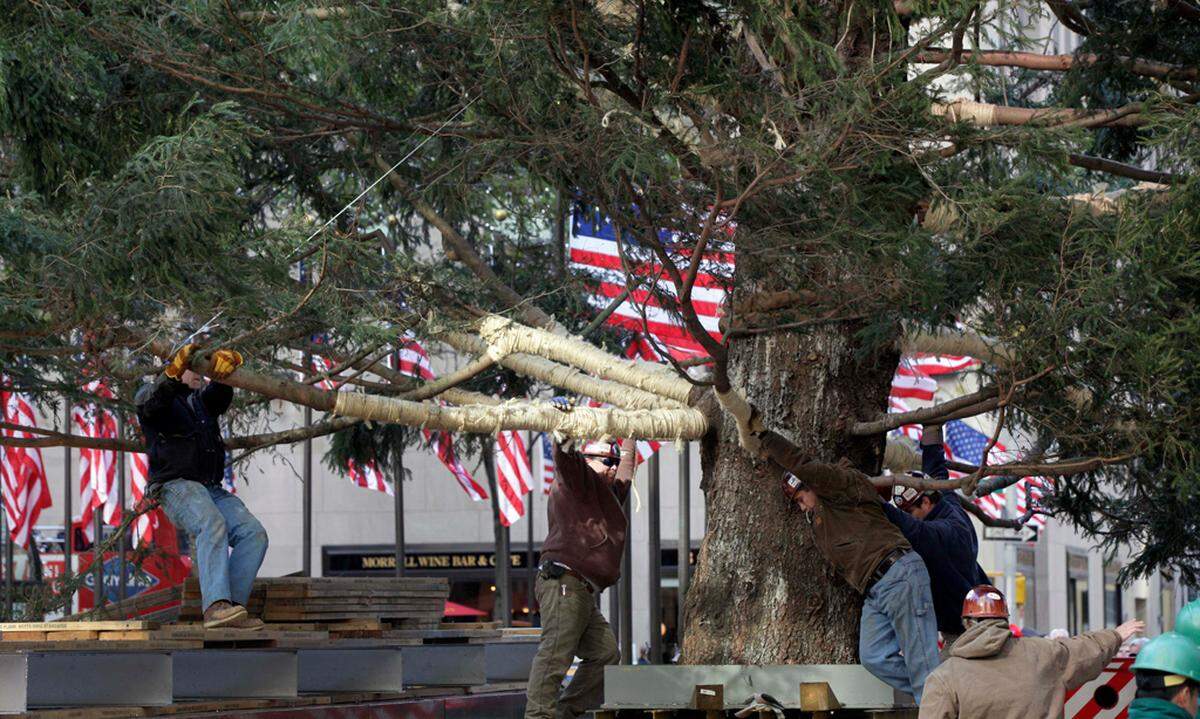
x=247, y=623
x=222, y=613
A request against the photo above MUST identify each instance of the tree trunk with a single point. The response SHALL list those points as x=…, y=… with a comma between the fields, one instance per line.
x=761, y=593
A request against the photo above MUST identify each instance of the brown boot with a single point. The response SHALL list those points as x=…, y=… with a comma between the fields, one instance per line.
x=222, y=613
x=247, y=623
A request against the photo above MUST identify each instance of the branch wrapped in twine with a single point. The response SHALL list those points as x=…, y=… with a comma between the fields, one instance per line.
x=580, y=423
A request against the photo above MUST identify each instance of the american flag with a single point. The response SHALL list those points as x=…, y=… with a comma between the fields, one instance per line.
x=514, y=478
x=914, y=383
x=368, y=476
x=228, y=480
x=97, y=467
x=548, y=468
x=139, y=477
x=413, y=361
x=593, y=244
x=23, y=477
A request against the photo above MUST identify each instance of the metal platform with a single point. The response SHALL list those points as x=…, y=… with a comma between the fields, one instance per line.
x=67, y=678
x=509, y=661
x=234, y=673
x=444, y=665
x=673, y=687
x=351, y=670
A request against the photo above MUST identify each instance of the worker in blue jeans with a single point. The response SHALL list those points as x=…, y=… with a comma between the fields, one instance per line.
x=897, y=639
x=179, y=415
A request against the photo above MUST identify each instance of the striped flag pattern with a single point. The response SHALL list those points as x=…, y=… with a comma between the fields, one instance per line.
x=913, y=385
x=22, y=475
x=367, y=477
x=97, y=467
x=548, y=466
x=139, y=477
x=593, y=247
x=514, y=478
x=413, y=361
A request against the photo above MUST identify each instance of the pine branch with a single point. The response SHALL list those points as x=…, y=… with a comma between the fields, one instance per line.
x=969, y=405
x=1061, y=63
x=1100, y=164
x=989, y=521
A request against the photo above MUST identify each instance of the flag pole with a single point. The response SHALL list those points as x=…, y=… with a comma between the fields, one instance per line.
x=100, y=596
x=307, y=502
x=68, y=528
x=530, y=569
x=502, y=609
x=398, y=491
x=684, y=543
x=122, y=569
x=655, y=569
x=8, y=565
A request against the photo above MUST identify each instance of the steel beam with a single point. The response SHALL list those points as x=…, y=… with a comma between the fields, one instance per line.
x=235, y=673
x=670, y=687
x=74, y=679
x=508, y=661
x=444, y=665
x=350, y=670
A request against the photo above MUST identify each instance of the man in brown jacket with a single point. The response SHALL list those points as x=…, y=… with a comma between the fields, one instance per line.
x=992, y=674
x=580, y=558
x=897, y=634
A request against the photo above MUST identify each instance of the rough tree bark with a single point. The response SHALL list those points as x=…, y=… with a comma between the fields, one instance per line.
x=761, y=593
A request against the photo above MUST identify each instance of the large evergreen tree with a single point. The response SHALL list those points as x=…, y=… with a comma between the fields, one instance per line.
x=165, y=162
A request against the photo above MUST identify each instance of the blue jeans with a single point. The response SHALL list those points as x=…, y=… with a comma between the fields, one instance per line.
x=897, y=637
x=216, y=521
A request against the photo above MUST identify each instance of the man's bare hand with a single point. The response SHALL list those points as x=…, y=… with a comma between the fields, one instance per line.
x=1128, y=629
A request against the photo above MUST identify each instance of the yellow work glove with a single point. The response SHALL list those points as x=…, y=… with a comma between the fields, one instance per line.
x=179, y=362
x=224, y=363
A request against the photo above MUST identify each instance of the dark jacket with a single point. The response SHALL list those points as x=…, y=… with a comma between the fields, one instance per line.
x=946, y=540
x=1147, y=708
x=849, y=526
x=586, y=526
x=183, y=439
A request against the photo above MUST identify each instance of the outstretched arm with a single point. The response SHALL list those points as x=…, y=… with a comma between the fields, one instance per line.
x=933, y=455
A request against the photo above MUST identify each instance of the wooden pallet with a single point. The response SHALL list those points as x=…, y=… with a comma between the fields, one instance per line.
x=148, y=635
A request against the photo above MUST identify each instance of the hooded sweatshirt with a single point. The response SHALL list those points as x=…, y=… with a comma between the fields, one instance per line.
x=992, y=674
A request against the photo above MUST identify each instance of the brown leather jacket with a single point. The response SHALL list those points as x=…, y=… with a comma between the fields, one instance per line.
x=587, y=527
x=849, y=526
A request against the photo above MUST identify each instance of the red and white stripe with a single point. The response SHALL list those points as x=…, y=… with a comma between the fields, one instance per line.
x=935, y=365
x=22, y=475
x=514, y=477
x=548, y=466
x=413, y=360
x=368, y=476
x=1118, y=677
x=97, y=467
x=594, y=252
x=139, y=478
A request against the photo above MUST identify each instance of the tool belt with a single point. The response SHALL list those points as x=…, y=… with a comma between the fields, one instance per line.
x=884, y=565
x=550, y=569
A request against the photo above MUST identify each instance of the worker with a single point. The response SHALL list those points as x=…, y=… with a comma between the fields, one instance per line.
x=179, y=415
x=1167, y=672
x=897, y=634
x=992, y=674
x=938, y=528
x=581, y=556
x=1187, y=622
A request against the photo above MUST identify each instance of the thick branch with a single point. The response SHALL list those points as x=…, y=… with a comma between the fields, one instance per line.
x=563, y=376
x=466, y=254
x=1100, y=164
x=957, y=343
x=987, y=115
x=1037, y=61
x=315, y=13
x=968, y=405
x=505, y=337
x=989, y=521
x=455, y=378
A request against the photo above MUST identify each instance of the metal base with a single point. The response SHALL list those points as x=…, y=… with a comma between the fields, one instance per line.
x=444, y=665
x=234, y=674
x=65, y=679
x=350, y=670
x=509, y=661
x=671, y=687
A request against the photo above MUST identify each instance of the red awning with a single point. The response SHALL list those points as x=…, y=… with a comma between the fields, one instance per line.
x=454, y=609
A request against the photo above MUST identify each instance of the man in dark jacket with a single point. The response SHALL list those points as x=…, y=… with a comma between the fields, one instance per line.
x=581, y=557
x=938, y=528
x=178, y=413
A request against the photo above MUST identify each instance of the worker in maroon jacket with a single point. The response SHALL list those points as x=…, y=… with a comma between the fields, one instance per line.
x=580, y=558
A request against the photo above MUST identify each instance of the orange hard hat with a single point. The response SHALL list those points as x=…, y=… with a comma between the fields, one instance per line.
x=985, y=602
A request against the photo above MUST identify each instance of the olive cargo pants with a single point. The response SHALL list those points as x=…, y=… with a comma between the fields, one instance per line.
x=572, y=626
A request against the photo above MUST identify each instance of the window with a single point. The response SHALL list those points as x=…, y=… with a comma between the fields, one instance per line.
x=1113, y=596
x=1077, y=593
